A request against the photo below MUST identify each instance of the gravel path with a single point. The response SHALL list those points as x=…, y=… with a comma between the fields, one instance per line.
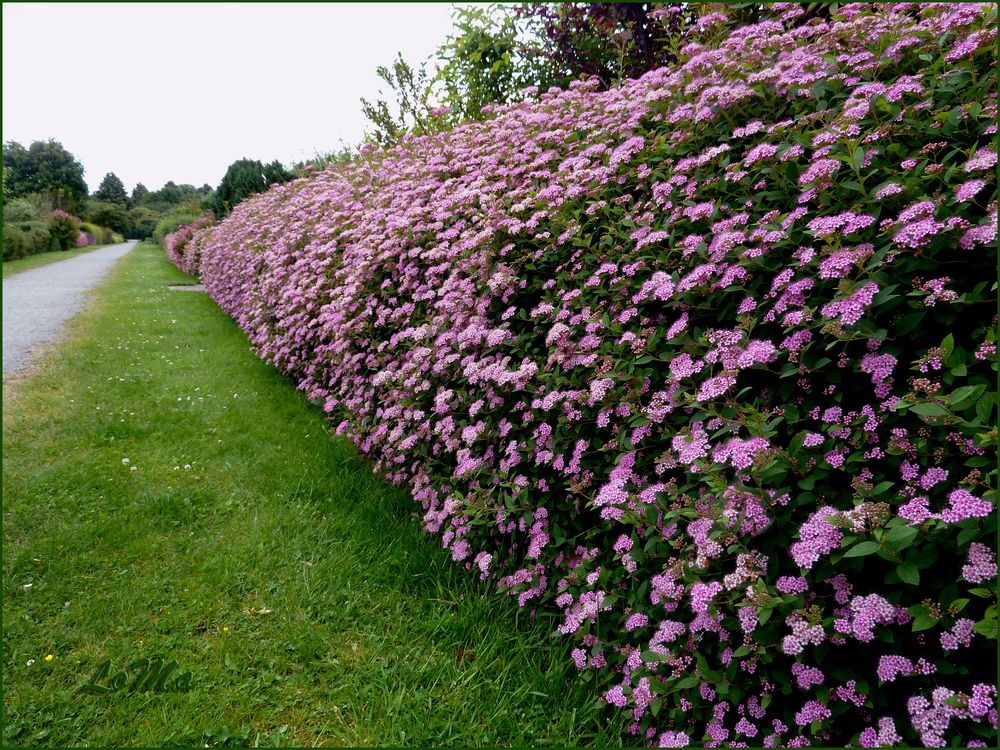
x=37, y=302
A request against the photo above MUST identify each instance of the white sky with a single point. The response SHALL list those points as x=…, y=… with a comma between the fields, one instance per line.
x=158, y=92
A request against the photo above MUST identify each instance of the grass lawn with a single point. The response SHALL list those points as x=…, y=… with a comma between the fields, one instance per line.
x=43, y=259
x=246, y=543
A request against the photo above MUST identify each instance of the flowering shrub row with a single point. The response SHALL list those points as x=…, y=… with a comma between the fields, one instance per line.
x=702, y=367
x=183, y=246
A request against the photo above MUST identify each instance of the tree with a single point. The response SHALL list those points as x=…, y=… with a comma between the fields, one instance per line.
x=611, y=41
x=142, y=222
x=411, y=91
x=105, y=214
x=111, y=190
x=138, y=192
x=45, y=167
x=16, y=172
x=243, y=178
x=489, y=61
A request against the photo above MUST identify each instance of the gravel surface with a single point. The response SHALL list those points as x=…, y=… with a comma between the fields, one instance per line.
x=38, y=301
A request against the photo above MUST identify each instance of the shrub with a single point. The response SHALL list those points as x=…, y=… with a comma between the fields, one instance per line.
x=37, y=236
x=702, y=367
x=183, y=247
x=171, y=223
x=84, y=239
x=99, y=235
x=15, y=243
x=64, y=228
x=17, y=210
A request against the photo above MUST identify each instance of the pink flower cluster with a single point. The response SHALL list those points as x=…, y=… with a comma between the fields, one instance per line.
x=183, y=246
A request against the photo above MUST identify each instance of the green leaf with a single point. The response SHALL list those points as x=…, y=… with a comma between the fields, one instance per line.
x=689, y=682
x=958, y=605
x=880, y=488
x=984, y=407
x=948, y=345
x=929, y=409
x=861, y=549
x=901, y=537
x=964, y=395
x=984, y=593
x=909, y=322
x=987, y=629
x=924, y=622
x=908, y=573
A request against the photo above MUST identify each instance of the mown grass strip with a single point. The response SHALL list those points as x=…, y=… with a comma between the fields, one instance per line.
x=10, y=267
x=248, y=545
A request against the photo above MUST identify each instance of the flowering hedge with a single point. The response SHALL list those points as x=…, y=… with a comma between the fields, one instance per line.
x=702, y=367
x=183, y=246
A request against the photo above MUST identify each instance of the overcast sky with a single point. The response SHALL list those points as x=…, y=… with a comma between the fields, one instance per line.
x=158, y=92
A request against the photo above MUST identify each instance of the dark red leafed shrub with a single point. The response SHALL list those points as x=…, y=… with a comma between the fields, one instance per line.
x=702, y=368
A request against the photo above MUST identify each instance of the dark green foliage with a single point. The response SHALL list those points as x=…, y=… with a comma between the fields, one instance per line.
x=138, y=192
x=170, y=196
x=111, y=190
x=105, y=214
x=142, y=222
x=244, y=178
x=45, y=167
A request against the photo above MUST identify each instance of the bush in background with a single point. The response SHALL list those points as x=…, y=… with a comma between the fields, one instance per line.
x=702, y=368
x=243, y=178
x=37, y=236
x=15, y=244
x=172, y=222
x=64, y=228
x=100, y=235
x=17, y=210
x=183, y=246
